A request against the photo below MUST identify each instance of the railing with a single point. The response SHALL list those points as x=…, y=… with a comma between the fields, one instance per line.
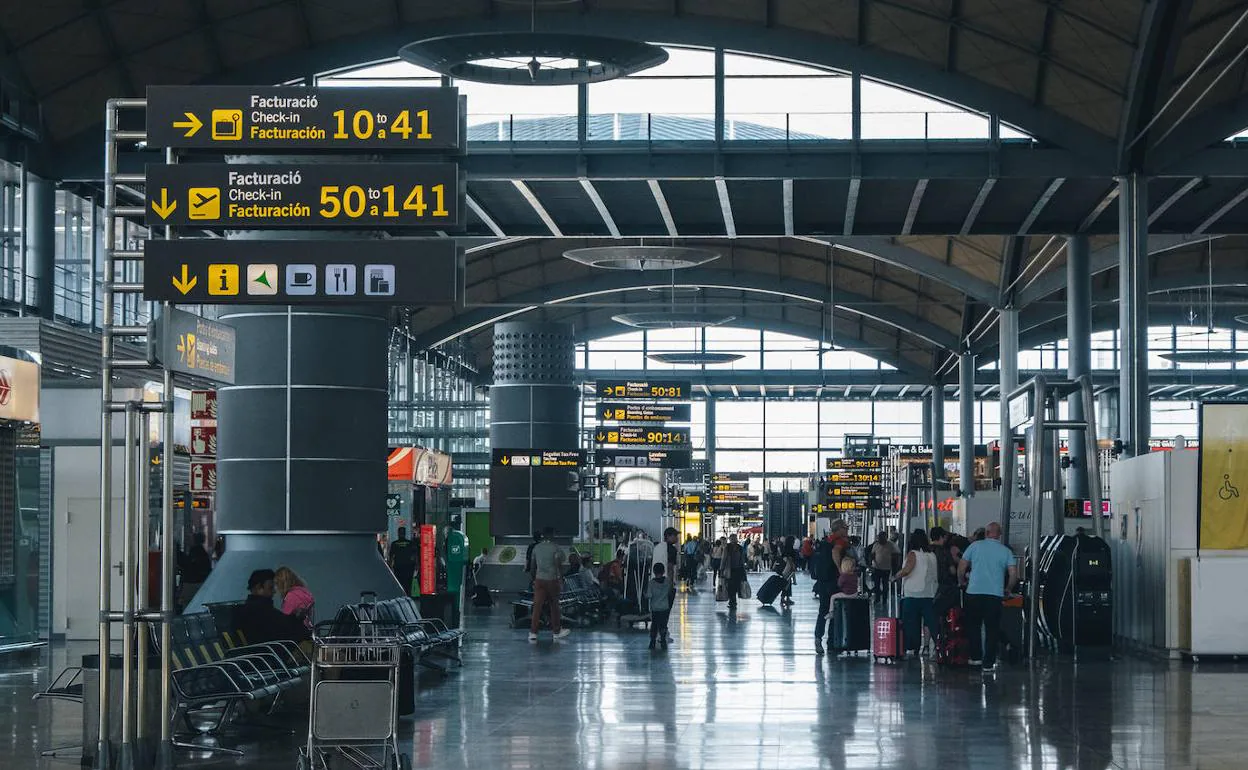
x=951, y=125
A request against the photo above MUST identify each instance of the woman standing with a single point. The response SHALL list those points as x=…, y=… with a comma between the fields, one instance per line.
x=918, y=578
x=717, y=557
x=732, y=572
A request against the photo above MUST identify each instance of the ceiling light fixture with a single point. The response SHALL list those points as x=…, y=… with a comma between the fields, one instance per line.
x=1205, y=356
x=672, y=319
x=695, y=359
x=641, y=257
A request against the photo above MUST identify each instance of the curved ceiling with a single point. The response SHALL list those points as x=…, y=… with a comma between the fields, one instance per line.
x=1087, y=76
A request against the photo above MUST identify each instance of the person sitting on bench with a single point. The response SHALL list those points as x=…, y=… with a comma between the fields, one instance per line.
x=261, y=621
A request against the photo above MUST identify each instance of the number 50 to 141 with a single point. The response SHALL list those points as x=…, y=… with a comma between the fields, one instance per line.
x=354, y=201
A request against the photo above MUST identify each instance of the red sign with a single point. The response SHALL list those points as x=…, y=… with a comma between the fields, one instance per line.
x=428, y=559
x=203, y=404
x=204, y=440
x=203, y=476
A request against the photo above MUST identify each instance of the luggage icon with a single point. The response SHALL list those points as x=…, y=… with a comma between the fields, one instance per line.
x=227, y=125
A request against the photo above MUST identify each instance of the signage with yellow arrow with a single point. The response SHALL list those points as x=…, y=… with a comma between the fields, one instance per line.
x=185, y=282
x=192, y=124
x=166, y=206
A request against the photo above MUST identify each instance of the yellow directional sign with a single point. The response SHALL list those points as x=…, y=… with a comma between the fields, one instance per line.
x=184, y=283
x=166, y=206
x=204, y=202
x=192, y=124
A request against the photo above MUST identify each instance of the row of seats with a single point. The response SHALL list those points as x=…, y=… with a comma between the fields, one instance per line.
x=426, y=638
x=582, y=602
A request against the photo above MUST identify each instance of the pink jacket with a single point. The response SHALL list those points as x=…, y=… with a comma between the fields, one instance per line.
x=298, y=601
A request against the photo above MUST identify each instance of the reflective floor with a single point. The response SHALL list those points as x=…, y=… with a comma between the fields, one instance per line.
x=750, y=693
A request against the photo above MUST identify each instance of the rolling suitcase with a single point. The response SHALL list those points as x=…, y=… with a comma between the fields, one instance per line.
x=954, y=648
x=886, y=636
x=769, y=590
x=851, y=625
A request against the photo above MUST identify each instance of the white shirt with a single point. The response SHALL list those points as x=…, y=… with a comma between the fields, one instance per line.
x=921, y=582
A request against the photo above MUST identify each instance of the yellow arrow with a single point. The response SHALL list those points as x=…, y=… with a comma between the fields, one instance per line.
x=191, y=124
x=606, y=415
x=185, y=283
x=166, y=206
x=506, y=460
x=600, y=437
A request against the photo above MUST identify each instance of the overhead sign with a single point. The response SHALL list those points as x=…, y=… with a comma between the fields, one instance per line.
x=19, y=390
x=204, y=440
x=643, y=458
x=1020, y=408
x=203, y=476
x=304, y=195
x=642, y=411
x=730, y=508
x=677, y=390
x=855, y=463
x=535, y=458
x=856, y=477
x=231, y=118
x=632, y=434
x=834, y=506
x=190, y=344
x=396, y=271
x=203, y=404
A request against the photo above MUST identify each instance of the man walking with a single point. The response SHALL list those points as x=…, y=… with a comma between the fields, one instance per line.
x=548, y=560
x=825, y=569
x=992, y=576
x=403, y=558
x=883, y=552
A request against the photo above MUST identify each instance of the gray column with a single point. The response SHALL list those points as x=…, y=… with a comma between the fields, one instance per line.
x=938, y=431
x=966, y=424
x=533, y=405
x=40, y=257
x=302, y=436
x=1079, y=360
x=1133, y=411
x=710, y=432
x=1007, y=365
x=925, y=430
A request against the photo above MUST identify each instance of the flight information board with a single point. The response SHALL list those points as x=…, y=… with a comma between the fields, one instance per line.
x=676, y=390
x=304, y=195
x=643, y=411
x=643, y=458
x=855, y=463
x=633, y=434
x=233, y=118
x=537, y=458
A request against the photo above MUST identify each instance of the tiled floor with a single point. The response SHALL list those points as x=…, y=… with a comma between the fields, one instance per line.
x=750, y=693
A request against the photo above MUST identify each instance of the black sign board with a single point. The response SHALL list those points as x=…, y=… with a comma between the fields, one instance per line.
x=856, y=477
x=304, y=195
x=642, y=411
x=836, y=506
x=732, y=509
x=855, y=463
x=643, y=458
x=537, y=458
x=721, y=478
x=854, y=490
x=417, y=271
x=672, y=390
x=193, y=345
x=233, y=118
x=633, y=434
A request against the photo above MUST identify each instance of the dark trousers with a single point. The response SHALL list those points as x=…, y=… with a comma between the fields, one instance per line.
x=880, y=577
x=915, y=613
x=983, y=626
x=658, y=624
x=821, y=625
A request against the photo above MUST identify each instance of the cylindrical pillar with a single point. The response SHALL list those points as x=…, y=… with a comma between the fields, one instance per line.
x=710, y=432
x=302, y=438
x=1007, y=366
x=925, y=430
x=533, y=405
x=938, y=431
x=966, y=424
x=40, y=257
x=1133, y=405
x=1079, y=360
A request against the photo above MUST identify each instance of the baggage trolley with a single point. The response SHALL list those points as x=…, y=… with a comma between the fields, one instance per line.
x=354, y=696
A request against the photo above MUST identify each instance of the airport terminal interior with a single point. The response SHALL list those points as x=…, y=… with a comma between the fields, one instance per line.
x=623, y=384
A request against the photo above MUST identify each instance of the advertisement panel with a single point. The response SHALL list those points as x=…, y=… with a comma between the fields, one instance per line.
x=428, y=559
x=1223, y=476
x=19, y=390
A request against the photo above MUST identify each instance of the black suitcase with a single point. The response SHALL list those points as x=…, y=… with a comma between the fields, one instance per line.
x=769, y=590
x=851, y=625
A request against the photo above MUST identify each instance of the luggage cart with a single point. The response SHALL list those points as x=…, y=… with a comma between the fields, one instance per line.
x=354, y=696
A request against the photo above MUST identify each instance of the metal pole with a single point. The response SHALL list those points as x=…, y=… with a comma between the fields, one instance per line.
x=1035, y=462
x=966, y=424
x=925, y=425
x=129, y=514
x=142, y=521
x=103, y=757
x=1093, y=452
x=1007, y=329
x=1133, y=406
x=1079, y=361
x=938, y=435
x=165, y=756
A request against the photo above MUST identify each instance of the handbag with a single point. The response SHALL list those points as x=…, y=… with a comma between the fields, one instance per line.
x=744, y=592
x=721, y=592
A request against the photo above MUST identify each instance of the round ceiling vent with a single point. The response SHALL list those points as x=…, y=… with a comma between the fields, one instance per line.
x=671, y=319
x=641, y=257
x=695, y=359
x=532, y=58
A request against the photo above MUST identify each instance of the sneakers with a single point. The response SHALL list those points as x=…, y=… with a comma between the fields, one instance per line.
x=563, y=633
x=975, y=662
x=991, y=669
x=532, y=637
x=818, y=647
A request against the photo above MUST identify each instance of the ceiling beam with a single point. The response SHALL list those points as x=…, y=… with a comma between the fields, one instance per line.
x=209, y=30
x=484, y=216
x=665, y=211
x=1161, y=30
x=1222, y=210
x=1110, y=196
x=899, y=255
x=599, y=204
x=538, y=208
x=980, y=198
x=786, y=186
x=725, y=207
x=1011, y=262
x=1042, y=64
x=1174, y=198
x=105, y=26
x=916, y=200
x=851, y=205
x=1041, y=202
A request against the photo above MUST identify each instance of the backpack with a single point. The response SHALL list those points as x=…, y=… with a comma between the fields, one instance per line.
x=481, y=597
x=821, y=566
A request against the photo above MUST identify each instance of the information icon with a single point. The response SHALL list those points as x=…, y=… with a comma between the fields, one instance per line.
x=340, y=279
x=379, y=280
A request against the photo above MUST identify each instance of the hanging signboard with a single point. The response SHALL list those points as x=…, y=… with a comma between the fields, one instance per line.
x=643, y=458
x=677, y=390
x=643, y=411
x=233, y=118
x=632, y=434
x=190, y=344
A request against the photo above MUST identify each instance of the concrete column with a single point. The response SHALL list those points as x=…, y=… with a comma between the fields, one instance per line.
x=1079, y=360
x=938, y=431
x=966, y=424
x=1133, y=411
x=710, y=432
x=1007, y=365
x=40, y=257
x=925, y=431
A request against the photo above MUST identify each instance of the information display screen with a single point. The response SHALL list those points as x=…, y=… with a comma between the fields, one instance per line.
x=676, y=390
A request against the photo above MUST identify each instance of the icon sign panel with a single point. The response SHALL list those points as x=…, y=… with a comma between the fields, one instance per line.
x=233, y=118
x=307, y=194
x=413, y=271
x=658, y=389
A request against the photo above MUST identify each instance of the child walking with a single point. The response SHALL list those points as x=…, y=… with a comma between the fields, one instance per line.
x=659, y=592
